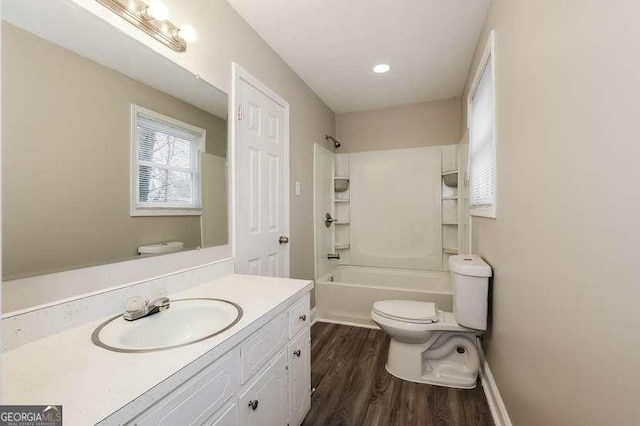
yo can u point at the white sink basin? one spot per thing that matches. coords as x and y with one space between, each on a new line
186 321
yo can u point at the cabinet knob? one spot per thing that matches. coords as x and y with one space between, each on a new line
303 317
297 352
253 404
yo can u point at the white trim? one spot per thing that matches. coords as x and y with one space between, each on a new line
238 73
349 323
494 399
313 313
1 338
489 53
488 212
151 209
316 267
62 287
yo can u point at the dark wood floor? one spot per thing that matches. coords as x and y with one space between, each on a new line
353 387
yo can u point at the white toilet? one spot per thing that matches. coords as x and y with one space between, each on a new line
433 346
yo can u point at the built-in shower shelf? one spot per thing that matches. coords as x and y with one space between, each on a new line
453 197
450 250
450 179
338 200
340 223
344 246
450 223
340 184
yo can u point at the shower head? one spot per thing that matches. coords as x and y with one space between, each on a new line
336 144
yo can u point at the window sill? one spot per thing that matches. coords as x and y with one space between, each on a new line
488 212
165 212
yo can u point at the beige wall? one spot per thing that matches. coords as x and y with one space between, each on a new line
224 37
408 126
66 146
564 343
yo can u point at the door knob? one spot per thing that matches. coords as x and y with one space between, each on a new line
253 404
283 239
328 220
297 352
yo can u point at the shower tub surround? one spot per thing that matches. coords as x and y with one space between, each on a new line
347 293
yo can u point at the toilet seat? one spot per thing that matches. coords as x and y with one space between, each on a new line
407 311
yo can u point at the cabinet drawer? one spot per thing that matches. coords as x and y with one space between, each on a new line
264 402
262 345
299 316
199 397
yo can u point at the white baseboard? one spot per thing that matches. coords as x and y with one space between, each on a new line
494 399
349 323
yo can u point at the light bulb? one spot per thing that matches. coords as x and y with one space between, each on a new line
188 33
158 11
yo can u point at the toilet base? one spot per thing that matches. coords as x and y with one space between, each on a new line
448 359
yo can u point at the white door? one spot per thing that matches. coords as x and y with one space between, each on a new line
264 403
261 178
299 377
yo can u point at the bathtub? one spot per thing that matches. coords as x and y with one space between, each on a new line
346 294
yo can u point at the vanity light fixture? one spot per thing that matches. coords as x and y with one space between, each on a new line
153 18
187 33
156 10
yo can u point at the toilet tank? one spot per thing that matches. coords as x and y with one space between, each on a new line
470 290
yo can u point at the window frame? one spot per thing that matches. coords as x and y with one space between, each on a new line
488 54
148 209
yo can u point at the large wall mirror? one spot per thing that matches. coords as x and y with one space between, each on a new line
107 147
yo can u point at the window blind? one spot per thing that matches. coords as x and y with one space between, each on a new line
167 158
482 161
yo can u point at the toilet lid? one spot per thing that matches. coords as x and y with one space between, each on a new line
407 310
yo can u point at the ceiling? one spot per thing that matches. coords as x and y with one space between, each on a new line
333 45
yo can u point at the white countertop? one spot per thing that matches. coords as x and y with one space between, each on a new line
92 383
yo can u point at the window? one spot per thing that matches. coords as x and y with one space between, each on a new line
482 149
166 172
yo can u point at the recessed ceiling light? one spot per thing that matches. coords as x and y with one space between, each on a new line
381 68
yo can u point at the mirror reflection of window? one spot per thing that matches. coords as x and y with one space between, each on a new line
166 170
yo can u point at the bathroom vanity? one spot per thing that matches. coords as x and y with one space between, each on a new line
257 372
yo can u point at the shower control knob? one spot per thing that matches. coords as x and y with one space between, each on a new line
253 404
283 239
297 352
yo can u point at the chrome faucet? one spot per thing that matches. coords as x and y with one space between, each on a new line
136 312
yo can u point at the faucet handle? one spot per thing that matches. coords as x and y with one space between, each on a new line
135 303
161 303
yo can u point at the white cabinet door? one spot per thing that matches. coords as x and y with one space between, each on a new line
263 345
299 377
228 417
199 397
265 402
